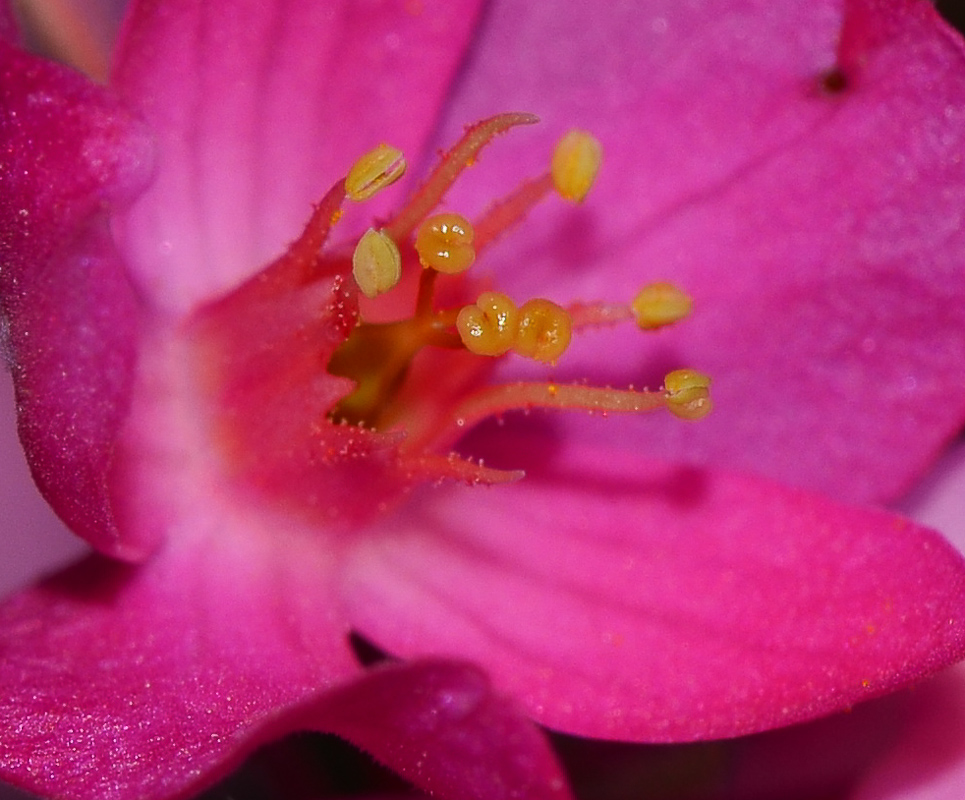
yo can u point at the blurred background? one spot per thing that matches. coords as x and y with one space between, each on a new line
954 12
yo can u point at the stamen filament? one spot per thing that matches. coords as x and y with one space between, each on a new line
427 285
455 467
521 396
507 213
303 253
462 155
598 315
439 336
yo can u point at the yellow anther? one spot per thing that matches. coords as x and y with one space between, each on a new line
376 263
688 393
544 331
489 327
660 304
444 243
576 161
374 171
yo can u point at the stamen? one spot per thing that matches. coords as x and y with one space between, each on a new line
376 263
495 400
660 304
511 210
576 162
489 327
404 382
462 155
544 331
375 170
688 393
597 315
455 467
445 243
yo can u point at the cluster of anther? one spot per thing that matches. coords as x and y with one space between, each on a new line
377 356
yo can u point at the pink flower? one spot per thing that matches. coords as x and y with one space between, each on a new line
796 169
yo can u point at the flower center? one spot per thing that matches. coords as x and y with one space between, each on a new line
382 355
378 356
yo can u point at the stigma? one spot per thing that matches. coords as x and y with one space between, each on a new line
398 363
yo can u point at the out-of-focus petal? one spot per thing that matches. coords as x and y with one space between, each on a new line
8 25
939 501
928 760
682 95
814 216
71 319
152 681
622 599
441 726
75 32
259 108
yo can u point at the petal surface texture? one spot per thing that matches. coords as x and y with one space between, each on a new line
153 682
71 155
622 599
146 682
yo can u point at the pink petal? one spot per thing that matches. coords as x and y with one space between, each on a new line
682 95
819 232
71 154
441 726
259 108
621 599
151 682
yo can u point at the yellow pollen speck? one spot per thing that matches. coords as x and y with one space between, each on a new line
544 331
376 263
444 243
660 304
375 170
576 161
489 327
688 393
